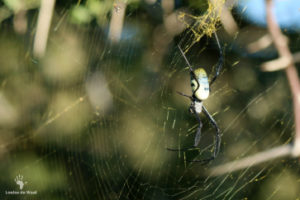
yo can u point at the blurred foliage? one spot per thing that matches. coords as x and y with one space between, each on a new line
98 10
17 5
92 119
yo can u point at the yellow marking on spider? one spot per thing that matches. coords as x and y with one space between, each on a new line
201 90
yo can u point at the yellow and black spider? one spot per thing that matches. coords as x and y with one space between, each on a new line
200 91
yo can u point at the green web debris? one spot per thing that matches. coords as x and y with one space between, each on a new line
205 24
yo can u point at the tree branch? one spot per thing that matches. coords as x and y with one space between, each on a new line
117 20
43 26
281 44
250 161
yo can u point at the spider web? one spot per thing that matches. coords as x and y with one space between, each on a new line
93 120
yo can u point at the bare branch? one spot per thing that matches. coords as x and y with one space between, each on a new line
282 47
43 26
260 44
279 63
117 20
251 161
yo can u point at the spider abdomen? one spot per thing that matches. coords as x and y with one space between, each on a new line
198 106
200 87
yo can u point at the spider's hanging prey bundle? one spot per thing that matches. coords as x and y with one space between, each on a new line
200 88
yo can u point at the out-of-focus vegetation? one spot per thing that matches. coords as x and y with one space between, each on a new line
92 118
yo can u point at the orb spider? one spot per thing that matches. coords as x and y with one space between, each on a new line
200 91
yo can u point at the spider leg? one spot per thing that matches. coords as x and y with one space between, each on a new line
217 143
193 75
218 136
198 134
190 97
183 149
220 62
202 162
186 60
